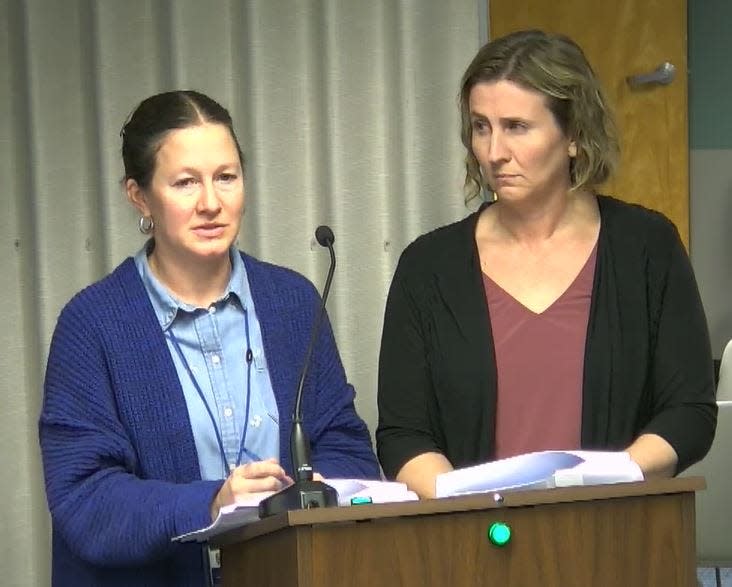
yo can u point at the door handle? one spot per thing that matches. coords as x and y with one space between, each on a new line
663 75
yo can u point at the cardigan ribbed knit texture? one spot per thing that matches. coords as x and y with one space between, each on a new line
121 470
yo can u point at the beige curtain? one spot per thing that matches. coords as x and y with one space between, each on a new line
347 113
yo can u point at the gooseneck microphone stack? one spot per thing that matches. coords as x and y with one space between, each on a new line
305 493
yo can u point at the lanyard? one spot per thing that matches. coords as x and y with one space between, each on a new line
249 357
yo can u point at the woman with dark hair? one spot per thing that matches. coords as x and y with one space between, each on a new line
171 381
553 317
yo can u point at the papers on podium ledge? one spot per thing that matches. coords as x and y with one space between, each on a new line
246 512
540 470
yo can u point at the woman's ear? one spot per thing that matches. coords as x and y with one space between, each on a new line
572 149
136 196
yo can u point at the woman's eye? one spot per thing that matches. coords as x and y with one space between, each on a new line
227 177
479 125
516 125
184 182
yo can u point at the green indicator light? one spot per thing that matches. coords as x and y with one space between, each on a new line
499 533
360 500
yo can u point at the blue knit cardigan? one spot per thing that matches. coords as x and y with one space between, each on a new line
121 470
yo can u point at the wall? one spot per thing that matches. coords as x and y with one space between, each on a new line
710 137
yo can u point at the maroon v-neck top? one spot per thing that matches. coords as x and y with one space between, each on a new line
540 362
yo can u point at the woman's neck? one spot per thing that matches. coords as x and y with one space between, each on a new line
195 282
537 221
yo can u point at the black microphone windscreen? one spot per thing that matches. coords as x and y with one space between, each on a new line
324 235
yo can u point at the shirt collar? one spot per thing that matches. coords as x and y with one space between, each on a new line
166 306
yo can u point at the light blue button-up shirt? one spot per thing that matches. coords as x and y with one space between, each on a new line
213 342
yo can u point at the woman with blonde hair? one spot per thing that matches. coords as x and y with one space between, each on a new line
553 317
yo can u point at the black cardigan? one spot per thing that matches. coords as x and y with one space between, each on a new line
648 363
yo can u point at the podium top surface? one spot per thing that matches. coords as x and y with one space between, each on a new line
482 501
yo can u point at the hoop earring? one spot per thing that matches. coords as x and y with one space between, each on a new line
488 193
146 224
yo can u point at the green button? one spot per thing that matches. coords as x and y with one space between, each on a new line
360 500
499 533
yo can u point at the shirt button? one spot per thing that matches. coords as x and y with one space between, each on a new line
212 309
228 412
215 359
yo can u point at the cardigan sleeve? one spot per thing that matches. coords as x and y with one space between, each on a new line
288 306
341 444
106 514
405 428
683 406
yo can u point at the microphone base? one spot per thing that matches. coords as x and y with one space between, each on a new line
301 495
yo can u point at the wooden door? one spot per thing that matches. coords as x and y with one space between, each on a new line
622 38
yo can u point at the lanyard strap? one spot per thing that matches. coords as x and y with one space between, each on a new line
249 358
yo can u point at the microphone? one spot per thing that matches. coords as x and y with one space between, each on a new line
305 493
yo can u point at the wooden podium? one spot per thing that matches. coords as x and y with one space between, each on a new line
625 535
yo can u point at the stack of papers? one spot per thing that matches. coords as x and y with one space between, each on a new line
349 491
540 470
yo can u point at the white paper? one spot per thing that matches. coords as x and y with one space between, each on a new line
377 491
247 511
540 470
599 468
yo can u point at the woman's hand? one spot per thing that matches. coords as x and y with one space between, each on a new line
420 473
654 455
245 480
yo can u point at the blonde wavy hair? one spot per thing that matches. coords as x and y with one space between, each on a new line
555 66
